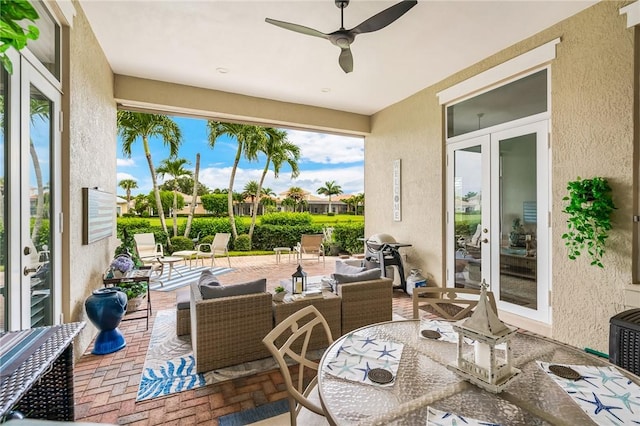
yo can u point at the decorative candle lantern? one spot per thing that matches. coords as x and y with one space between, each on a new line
298 281
486 366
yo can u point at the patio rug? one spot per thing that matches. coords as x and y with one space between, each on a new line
182 276
170 367
253 415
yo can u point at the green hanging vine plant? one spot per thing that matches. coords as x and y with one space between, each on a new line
590 207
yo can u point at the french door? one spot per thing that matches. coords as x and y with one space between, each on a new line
497 217
30 284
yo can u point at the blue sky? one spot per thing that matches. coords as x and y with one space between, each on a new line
323 158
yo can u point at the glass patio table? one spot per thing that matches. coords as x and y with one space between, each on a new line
423 380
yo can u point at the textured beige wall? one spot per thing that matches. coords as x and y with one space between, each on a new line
89 160
167 97
592 134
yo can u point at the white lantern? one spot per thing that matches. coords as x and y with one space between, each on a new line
487 365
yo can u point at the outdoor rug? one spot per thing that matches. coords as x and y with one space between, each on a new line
182 276
253 415
170 366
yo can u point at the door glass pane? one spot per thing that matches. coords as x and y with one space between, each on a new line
3 200
518 227
467 217
40 208
521 98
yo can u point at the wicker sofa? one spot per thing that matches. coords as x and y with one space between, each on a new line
366 302
229 330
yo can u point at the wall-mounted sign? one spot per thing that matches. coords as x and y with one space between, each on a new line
99 209
396 191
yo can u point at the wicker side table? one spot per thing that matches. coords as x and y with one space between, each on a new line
329 307
42 385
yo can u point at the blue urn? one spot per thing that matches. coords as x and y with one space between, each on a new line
105 308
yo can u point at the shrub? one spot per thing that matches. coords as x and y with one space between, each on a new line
181 243
242 243
346 236
286 218
206 240
330 214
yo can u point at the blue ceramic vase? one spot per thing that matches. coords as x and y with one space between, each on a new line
105 308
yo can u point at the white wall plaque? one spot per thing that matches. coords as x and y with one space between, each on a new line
397 217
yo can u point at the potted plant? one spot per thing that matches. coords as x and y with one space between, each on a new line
280 294
136 292
589 209
120 265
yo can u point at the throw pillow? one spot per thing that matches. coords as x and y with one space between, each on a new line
368 275
251 287
345 268
206 282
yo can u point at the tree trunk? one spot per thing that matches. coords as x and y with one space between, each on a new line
37 224
156 190
194 197
175 212
257 200
232 219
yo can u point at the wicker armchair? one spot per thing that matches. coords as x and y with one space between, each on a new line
229 330
366 302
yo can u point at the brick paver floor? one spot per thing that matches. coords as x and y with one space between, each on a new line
106 385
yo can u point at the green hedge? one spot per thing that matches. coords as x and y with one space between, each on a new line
346 236
286 218
266 236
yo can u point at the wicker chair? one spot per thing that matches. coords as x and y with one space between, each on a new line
290 340
448 303
229 330
366 302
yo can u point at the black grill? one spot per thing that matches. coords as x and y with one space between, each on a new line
624 340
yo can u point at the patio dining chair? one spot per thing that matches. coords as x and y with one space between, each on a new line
310 244
448 303
147 248
219 245
290 340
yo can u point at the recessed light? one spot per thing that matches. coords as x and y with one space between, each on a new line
222 70
325 90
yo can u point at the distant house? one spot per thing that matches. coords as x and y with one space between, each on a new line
187 205
318 205
121 206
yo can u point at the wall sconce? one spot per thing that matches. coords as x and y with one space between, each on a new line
486 366
298 281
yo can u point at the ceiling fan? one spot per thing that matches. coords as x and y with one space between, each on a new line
343 37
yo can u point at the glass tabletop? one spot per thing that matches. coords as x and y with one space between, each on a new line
424 380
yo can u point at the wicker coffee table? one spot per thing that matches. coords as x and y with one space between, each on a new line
329 307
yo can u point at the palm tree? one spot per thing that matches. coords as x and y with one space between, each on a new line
174 168
128 185
359 199
297 194
194 197
266 198
330 188
278 151
248 139
134 125
251 190
41 109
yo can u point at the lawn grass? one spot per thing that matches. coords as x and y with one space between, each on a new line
318 219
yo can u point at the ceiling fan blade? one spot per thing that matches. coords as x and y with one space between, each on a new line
297 28
384 18
346 60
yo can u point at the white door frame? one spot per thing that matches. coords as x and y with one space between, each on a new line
490 205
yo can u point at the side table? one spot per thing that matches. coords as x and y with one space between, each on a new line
329 307
136 275
280 250
40 385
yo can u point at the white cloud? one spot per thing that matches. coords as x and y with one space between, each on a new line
350 179
327 149
125 162
121 176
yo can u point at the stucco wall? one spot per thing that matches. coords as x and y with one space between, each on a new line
89 160
591 134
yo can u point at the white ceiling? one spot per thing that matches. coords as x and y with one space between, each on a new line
186 42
